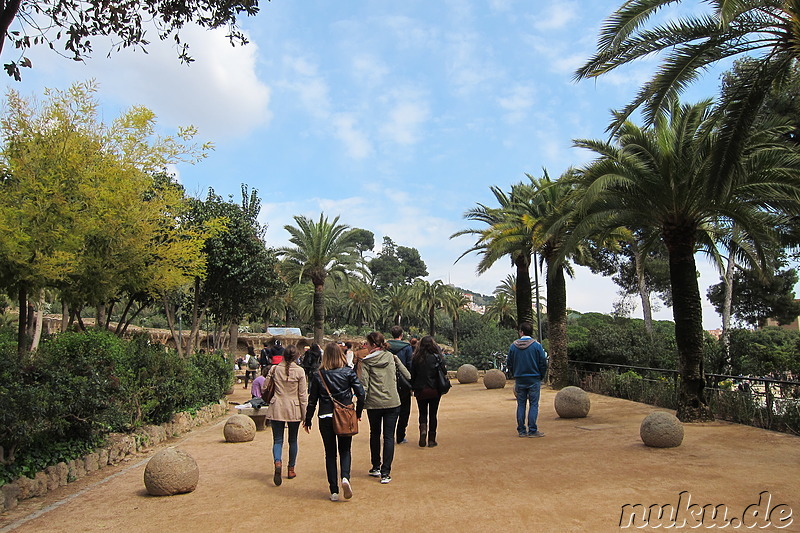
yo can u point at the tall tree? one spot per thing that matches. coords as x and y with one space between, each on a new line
664 177
320 249
454 303
78 23
495 241
428 297
396 265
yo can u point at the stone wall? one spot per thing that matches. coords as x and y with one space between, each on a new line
118 448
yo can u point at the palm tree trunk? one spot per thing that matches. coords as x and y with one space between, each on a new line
319 312
523 290
432 321
644 293
727 305
688 315
557 320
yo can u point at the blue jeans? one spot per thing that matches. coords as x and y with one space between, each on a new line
382 421
277 440
527 394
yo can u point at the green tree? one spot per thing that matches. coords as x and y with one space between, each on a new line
427 298
663 176
454 304
77 23
396 265
320 249
502 237
502 311
757 298
364 240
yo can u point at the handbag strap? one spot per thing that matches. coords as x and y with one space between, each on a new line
325 384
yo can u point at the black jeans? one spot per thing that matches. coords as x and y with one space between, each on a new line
248 375
405 414
428 410
382 421
334 443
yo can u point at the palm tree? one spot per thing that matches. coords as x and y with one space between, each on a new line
362 305
506 294
664 177
453 303
765 30
428 297
502 310
496 241
320 249
395 302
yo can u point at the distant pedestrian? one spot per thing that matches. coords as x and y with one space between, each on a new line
424 373
277 352
342 382
348 354
403 351
379 376
527 362
265 356
258 384
311 360
287 408
251 365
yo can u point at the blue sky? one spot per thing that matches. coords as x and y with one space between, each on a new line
397 117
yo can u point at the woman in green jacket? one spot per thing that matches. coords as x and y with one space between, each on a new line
379 376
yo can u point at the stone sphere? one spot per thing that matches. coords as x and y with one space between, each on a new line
661 430
467 374
240 428
494 379
169 472
572 402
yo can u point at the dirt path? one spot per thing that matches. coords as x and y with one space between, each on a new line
482 477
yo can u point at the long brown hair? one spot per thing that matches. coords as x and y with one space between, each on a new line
426 345
332 357
376 339
290 355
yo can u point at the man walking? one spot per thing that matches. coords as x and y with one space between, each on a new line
528 364
403 352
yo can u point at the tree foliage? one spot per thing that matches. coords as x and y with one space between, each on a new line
78 23
757 297
396 265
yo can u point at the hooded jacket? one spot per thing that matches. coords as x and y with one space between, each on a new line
379 377
526 360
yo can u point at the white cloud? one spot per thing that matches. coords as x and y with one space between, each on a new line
355 141
556 16
407 113
369 70
219 92
518 100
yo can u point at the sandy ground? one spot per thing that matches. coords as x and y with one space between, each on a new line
481 477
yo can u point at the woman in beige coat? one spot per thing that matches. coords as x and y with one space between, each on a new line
288 407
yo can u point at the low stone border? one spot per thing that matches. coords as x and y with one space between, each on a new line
119 446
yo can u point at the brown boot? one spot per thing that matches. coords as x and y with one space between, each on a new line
276 478
423 435
290 473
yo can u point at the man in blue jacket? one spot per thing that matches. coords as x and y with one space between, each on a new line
527 362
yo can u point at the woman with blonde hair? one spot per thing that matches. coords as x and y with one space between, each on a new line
334 379
379 375
287 408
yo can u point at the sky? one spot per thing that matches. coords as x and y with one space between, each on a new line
396 117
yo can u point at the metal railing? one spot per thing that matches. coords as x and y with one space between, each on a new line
758 401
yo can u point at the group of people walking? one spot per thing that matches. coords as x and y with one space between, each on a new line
376 379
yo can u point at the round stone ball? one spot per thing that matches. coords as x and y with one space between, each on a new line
661 430
494 379
240 428
572 402
467 374
169 472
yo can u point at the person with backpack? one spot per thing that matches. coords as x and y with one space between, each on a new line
403 351
251 365
265 357
340 383
312 360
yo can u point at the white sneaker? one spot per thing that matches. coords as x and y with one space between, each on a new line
334 497
346 488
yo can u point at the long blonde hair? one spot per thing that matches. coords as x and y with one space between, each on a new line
333 357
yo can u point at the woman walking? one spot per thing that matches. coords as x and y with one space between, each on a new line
424 371
287 408
379 375
335 379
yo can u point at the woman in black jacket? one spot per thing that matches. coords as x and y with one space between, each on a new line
424 369
343 383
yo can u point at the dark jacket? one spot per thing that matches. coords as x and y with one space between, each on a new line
343 383
526 360
402 350
424 372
